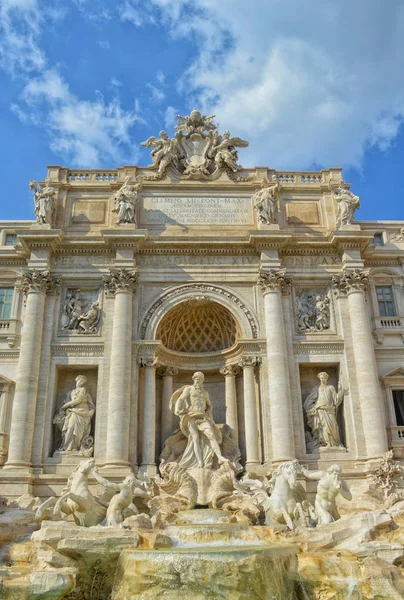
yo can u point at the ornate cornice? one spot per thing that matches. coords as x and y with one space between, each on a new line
120 280
351 281
274 281
34 280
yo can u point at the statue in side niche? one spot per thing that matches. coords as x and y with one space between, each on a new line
125 201
321 407
44 198
330 485
347 204
265 201
192 405
74 419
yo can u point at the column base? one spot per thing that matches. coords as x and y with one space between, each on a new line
253 466
117 464
18 466
150 470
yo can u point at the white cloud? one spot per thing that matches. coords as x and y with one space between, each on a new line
312 84
86 133
20 25
104 44
169 117
157 95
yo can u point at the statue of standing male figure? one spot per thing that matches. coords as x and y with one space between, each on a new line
192 405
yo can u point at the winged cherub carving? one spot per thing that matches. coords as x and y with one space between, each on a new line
166 151
225 152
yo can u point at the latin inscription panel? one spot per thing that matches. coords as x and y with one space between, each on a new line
188 210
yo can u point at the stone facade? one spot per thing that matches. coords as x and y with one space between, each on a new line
192 277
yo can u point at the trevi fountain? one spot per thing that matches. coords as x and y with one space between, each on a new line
201 383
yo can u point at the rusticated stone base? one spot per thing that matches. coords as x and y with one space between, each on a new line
223 573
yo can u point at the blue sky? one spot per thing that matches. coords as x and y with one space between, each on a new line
312 84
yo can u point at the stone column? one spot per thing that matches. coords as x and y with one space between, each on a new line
167 417
273 283
4 393
35 285
230 372
121 283
149 416
355 283
250 411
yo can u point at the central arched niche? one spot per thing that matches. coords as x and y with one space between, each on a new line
198 325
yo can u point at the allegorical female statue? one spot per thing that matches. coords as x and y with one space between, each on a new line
74 419
321 407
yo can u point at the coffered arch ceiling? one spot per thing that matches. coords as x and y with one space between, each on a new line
198 325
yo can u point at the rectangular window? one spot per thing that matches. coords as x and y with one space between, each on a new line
386 301
6 297
398 397
378 239
11 239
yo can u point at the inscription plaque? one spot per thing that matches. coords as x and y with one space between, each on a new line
185 210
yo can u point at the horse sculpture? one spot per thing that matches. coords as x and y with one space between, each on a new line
77 500
287 498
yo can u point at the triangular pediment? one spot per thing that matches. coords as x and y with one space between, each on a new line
397 372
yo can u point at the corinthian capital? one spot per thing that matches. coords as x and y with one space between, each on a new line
351 281
38 281
232 370
274 281
249 361
120 280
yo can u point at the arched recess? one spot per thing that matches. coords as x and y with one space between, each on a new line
158 308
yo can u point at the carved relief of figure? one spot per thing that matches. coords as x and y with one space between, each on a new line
313 311
122 501
165 153
225 152
322 313
43 200
398 237
88 322
330 484
76 310
125 201
347 204
192 405
265 201
75 318
321 407
74 419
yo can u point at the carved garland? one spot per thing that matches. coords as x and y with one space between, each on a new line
204 288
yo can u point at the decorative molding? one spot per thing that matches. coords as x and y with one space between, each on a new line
120 280
274 281
77 350
318 348
198 287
